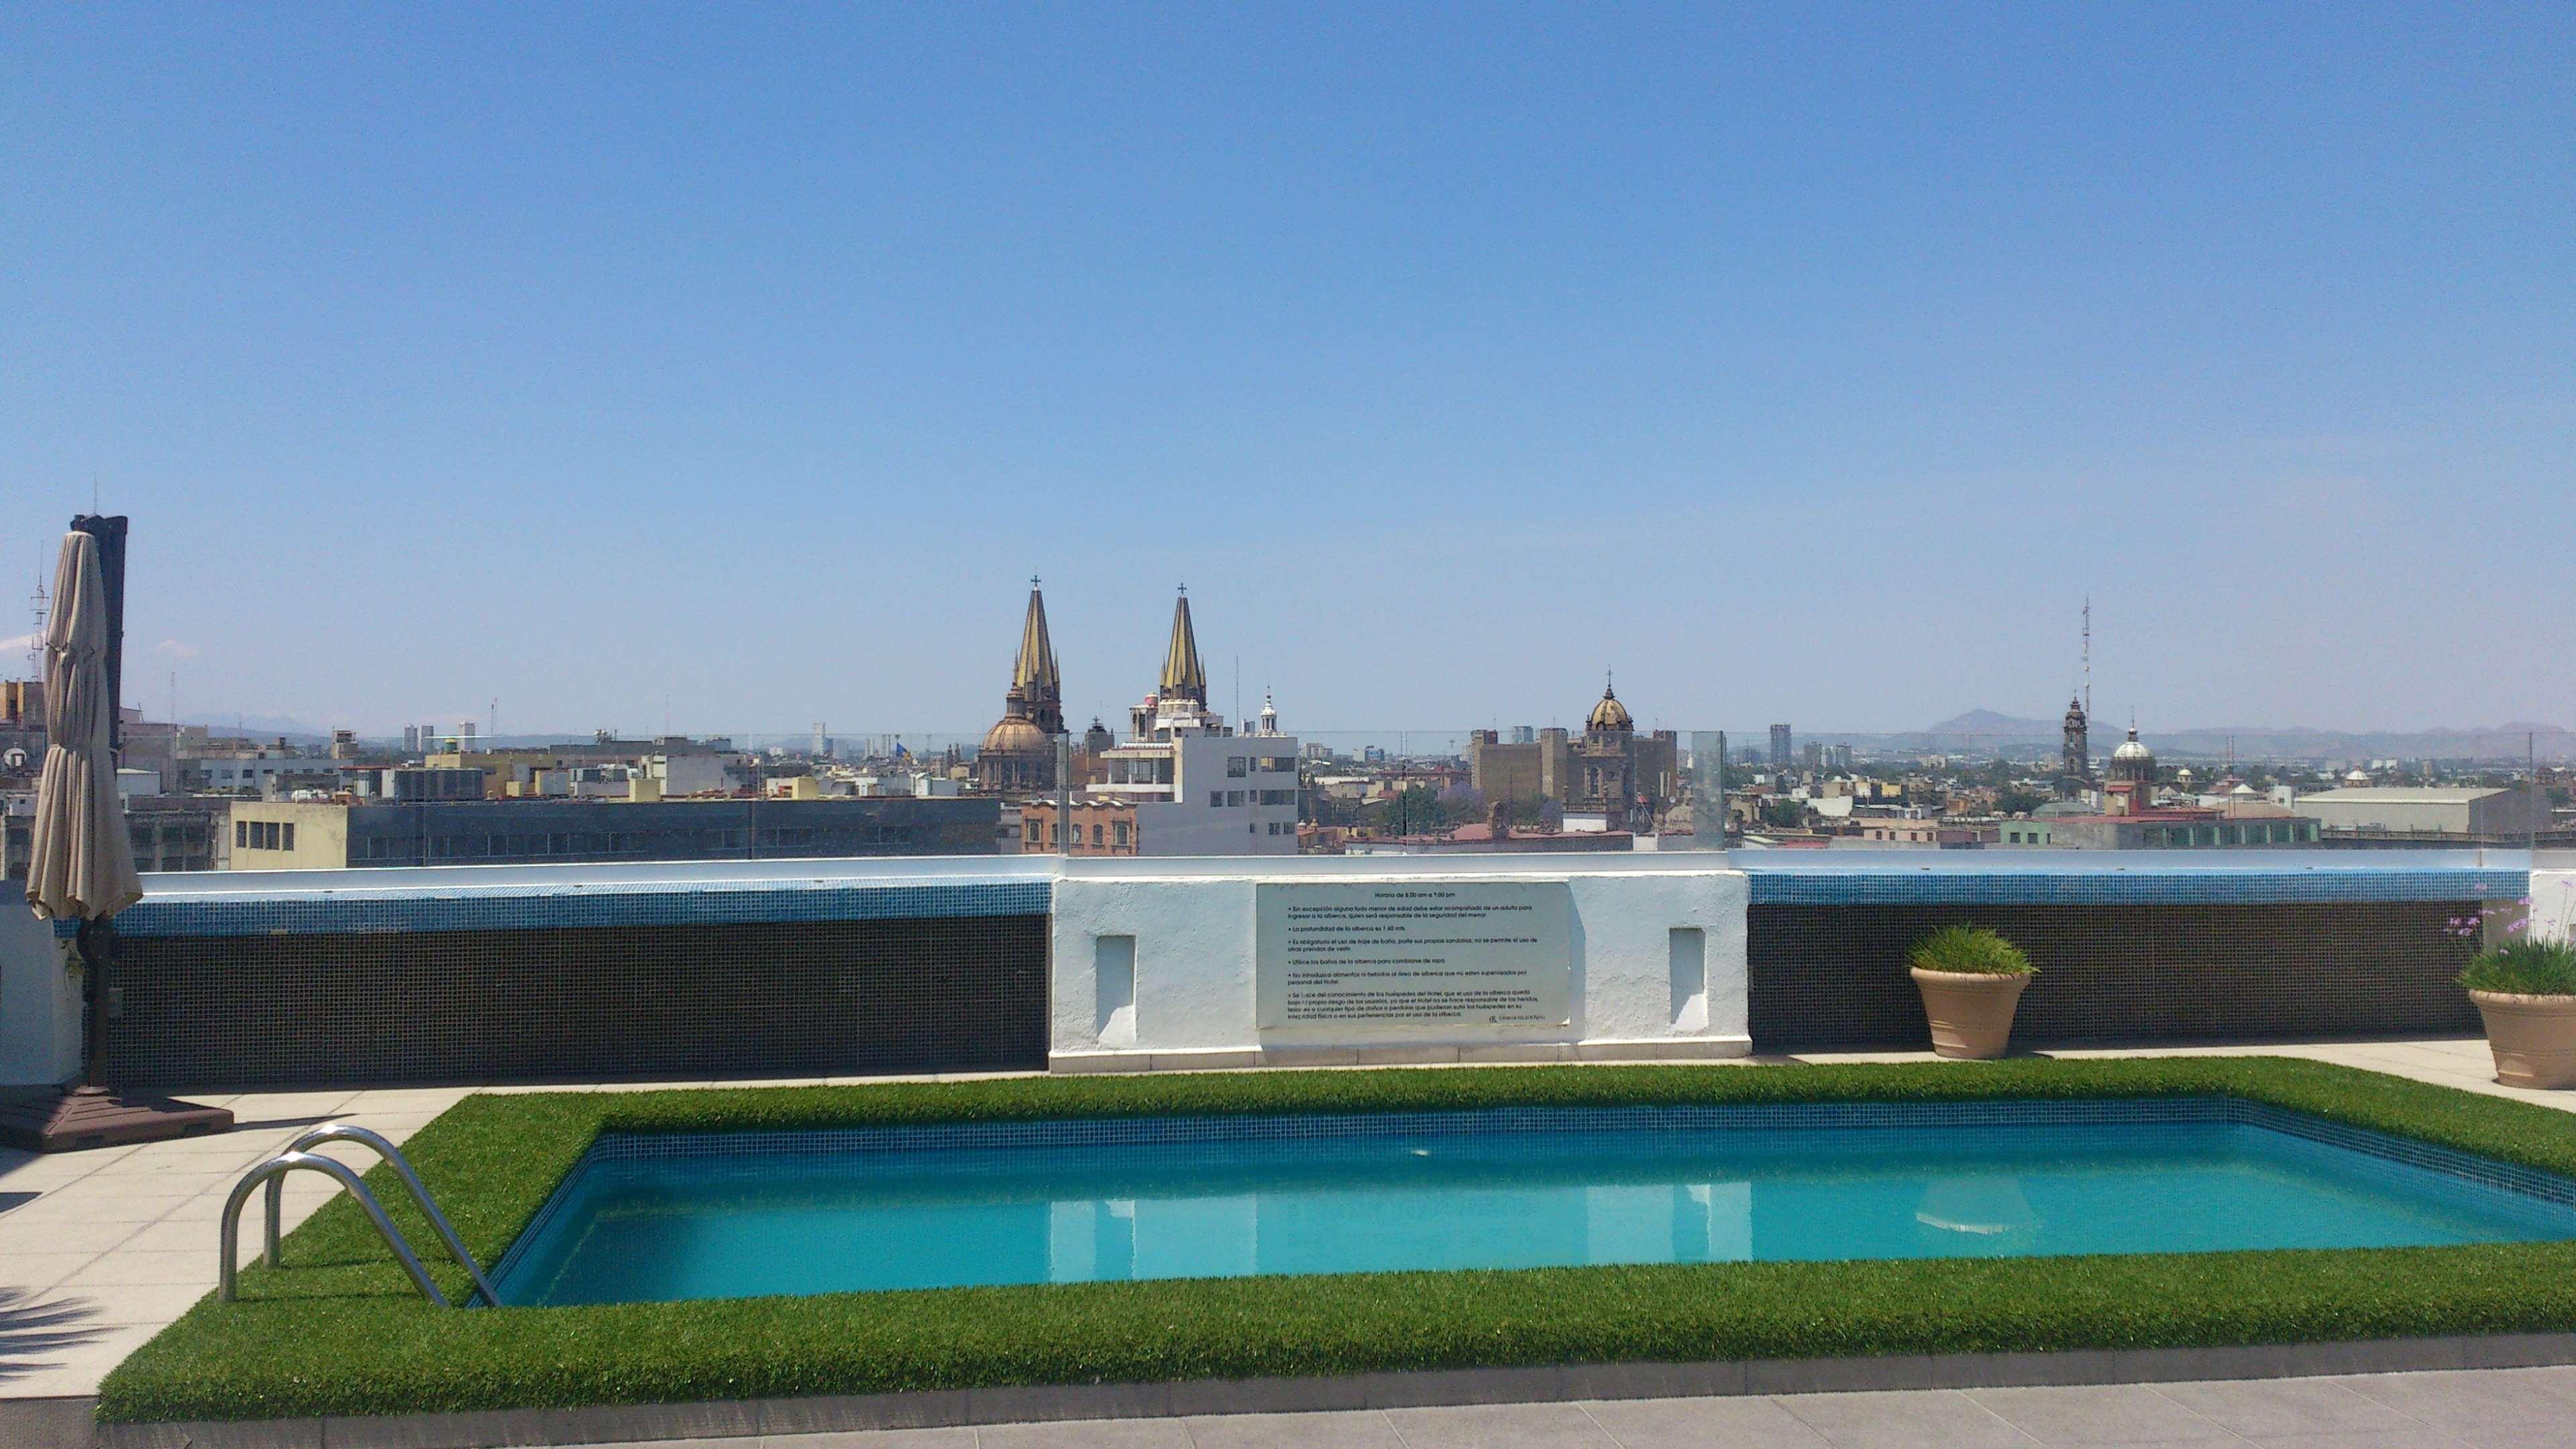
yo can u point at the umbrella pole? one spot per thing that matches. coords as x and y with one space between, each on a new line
95 954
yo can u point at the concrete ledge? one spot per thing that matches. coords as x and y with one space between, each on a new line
1414 1054
1039 1403
53 1423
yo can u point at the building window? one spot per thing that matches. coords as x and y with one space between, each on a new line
1095 833
1216 799
1236 766
286 836
1278 797
241 834
1119 828
1234 797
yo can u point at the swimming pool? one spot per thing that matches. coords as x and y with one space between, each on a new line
658 1218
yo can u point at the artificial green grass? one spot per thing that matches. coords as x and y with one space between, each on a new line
338 1330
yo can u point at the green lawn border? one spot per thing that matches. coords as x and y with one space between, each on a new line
337 1329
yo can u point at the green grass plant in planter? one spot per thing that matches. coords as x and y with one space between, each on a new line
1971 980
2526 991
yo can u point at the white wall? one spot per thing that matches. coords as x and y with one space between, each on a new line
1192 1002
39 1002
2553 895
1187 825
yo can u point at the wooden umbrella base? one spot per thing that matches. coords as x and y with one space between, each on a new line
67 1119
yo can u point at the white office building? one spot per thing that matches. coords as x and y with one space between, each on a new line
1198 787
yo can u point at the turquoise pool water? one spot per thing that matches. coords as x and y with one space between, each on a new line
661 1219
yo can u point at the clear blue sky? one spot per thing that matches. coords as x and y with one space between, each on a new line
1805 363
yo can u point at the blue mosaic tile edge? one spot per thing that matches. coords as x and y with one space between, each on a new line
2114 888
503 908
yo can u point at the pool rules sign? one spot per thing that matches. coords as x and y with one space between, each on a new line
1415 959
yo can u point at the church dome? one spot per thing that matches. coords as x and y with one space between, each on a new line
1609 714
1015 736
2132 760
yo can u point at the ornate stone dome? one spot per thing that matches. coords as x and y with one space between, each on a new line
1015 736
2132 760
1609 714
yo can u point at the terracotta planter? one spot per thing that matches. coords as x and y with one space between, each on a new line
1972 1014
2534 1037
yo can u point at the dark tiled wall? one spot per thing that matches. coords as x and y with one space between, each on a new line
1834 976
662 1001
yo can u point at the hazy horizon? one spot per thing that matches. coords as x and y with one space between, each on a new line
737 368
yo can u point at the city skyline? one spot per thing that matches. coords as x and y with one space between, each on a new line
1791 370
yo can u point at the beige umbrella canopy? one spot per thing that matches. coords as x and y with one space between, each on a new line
81 866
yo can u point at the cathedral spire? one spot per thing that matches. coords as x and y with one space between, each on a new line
1036 664
1183 677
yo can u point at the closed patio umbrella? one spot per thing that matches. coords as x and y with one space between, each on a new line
81 867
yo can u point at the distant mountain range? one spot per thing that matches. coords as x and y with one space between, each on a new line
1986 729
262 727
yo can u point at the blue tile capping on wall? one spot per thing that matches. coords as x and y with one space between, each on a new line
2051 878
556 906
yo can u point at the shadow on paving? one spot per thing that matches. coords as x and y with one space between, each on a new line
30 1331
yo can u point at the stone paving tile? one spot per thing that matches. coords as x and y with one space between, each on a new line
736 1442
74 1363
1499 1426
62 1233
136 1269
2258 1408
1358 1429
1933 1419
1089 1433
57 1169
2472 1403
877 1440
2101 1414
41 1270
1753 1423
2414 1437
149 1304
191 1235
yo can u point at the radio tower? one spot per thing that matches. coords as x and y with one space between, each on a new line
38 605
2088 656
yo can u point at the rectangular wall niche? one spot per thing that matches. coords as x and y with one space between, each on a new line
1689 952
1113 965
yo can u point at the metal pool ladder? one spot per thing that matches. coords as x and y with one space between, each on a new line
297 1156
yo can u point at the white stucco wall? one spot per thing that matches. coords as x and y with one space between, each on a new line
39 1003
1193 925
2553 895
